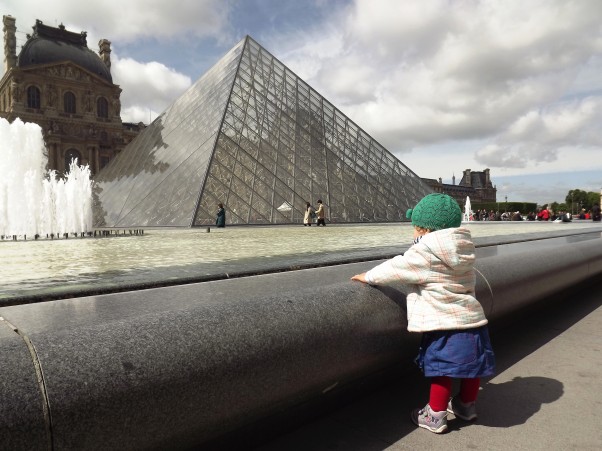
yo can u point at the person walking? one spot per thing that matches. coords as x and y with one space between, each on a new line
220 221
439 270
310 214
321 214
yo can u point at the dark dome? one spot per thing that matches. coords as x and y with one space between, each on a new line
52 45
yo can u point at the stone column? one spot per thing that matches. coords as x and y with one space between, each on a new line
10 42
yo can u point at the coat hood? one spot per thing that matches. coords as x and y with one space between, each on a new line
454 246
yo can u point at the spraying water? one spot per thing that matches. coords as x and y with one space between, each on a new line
34 201
467 211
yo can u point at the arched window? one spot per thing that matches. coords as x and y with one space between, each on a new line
102 107
69 102
72 155
33 97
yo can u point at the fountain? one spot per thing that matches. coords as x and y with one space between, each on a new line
467 211
35 202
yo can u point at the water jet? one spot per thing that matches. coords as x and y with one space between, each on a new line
34 201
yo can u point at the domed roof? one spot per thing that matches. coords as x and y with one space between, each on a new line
53 45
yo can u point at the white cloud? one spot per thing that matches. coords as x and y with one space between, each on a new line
437 71
125 21
544 136
148 88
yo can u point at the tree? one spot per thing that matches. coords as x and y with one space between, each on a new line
578 199
592 198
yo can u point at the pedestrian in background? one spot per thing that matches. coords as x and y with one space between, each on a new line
220 221
310 214
321 214
439 269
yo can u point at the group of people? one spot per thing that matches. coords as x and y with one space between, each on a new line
484 215
312 214
546 214
593 214
542 214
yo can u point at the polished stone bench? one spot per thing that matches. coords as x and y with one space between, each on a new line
176 367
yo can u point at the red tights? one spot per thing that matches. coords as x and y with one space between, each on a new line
441 391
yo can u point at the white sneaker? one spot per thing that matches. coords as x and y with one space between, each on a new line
427 418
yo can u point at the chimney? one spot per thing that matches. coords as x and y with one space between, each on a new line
10 42
105 52
487 177
454 179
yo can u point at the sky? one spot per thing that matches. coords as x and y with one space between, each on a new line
445 85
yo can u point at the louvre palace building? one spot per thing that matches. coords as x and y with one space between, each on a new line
57 82
474 184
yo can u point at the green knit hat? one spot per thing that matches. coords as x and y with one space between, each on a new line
435 212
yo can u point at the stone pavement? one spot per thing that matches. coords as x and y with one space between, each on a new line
547 394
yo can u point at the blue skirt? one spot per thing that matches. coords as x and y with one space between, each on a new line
457 353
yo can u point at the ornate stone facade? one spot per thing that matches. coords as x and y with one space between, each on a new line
58 83
474 184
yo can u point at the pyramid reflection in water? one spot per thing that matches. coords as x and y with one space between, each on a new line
252 135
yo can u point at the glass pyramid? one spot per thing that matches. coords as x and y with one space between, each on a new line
252 135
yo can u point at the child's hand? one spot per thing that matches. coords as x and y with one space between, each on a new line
360 277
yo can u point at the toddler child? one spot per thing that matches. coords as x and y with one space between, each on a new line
442 305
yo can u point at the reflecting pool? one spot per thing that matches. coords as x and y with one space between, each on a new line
55 267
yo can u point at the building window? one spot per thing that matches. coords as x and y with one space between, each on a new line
69 101
72 155
33 97
102 107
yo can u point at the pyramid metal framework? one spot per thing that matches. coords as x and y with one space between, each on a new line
252 135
